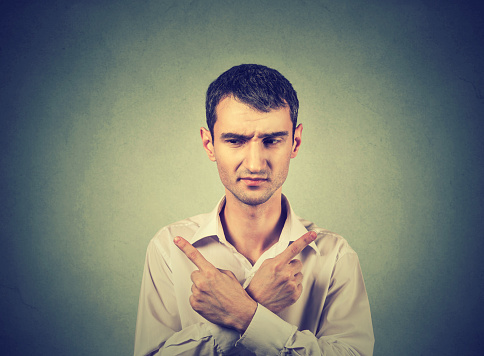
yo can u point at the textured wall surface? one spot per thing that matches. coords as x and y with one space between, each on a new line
101 103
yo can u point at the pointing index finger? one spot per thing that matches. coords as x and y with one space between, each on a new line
192 253
297 246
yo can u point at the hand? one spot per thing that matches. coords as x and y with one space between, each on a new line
217 294
277 283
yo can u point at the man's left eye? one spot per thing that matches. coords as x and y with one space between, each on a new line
271 142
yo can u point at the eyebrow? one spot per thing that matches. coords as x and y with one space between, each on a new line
231 135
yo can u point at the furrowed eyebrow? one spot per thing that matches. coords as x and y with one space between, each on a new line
275 134
234 136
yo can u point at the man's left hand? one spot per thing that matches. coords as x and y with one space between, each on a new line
217 294
278 282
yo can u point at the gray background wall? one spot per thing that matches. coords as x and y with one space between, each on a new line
101 103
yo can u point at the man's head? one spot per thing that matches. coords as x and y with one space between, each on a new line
252 133
262 88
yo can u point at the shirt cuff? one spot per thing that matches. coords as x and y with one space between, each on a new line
224 338
267 333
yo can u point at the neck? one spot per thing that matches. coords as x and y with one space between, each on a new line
253 229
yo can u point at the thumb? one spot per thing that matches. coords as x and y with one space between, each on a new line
228 273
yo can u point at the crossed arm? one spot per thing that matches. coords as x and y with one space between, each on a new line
344 326
218 296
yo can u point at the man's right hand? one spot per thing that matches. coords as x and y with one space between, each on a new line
277 283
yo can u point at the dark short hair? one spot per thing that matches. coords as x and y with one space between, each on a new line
258 86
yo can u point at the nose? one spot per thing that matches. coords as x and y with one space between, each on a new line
254 160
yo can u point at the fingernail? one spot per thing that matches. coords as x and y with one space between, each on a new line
313 235
176 240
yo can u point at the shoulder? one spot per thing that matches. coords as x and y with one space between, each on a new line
162 242
330 244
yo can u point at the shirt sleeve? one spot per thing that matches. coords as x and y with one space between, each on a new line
158 326
345 323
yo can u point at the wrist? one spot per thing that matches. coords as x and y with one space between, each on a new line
242 323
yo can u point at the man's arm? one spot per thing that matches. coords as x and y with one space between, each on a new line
217 294
345 326
219 298
345 323
277 283
158 327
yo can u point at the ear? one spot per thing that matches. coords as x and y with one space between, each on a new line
297 140
207 143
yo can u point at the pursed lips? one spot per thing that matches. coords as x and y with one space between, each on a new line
253 181
253 178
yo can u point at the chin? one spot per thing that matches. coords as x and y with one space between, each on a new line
253 200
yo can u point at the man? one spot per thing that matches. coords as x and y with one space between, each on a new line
251 277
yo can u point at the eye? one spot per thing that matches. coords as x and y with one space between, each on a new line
271 141
234 142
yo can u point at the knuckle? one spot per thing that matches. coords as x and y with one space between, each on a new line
196 306
209 274
294 248
193 302
278 267
202 285
295 295
196 300
298 277
196 275
192 255
297 263
296 266
288 275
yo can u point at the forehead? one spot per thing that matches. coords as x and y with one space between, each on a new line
237 117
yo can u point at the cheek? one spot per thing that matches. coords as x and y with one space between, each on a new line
281 169
282 159
227 160
223 172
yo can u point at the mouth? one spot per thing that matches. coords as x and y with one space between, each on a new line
253 181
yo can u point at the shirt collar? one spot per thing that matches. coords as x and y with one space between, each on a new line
212 227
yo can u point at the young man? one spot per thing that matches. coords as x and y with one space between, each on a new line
251 277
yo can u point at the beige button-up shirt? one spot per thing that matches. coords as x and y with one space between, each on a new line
331 317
